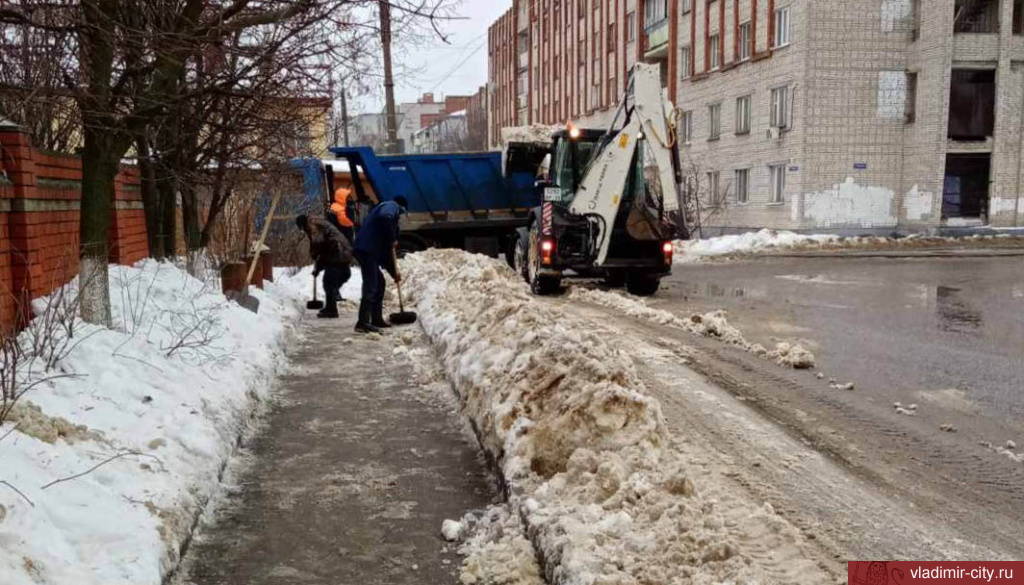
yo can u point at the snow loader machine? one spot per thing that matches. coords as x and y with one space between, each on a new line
611 200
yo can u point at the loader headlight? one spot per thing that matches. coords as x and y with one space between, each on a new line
574 132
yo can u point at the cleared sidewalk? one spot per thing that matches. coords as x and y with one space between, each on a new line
358 466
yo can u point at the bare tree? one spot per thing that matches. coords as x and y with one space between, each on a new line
704 196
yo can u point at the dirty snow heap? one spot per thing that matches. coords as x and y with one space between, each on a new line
583 449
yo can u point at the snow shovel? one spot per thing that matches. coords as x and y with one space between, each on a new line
242 297
403 317
314 305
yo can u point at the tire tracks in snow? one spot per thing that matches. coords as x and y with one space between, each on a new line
773 435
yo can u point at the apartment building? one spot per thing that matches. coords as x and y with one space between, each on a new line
551 61
820 115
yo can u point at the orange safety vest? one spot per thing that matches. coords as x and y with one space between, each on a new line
341 196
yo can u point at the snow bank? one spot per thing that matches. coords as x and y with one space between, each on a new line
713 324
750 242
158 404
766 240
497 551
583 449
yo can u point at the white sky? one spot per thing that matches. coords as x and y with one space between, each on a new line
458 68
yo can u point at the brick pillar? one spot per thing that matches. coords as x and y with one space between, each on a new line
23 234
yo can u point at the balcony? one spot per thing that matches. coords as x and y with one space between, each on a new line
656 41
976 17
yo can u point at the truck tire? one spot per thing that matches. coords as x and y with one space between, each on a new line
615 278
539 284
410 244
642 285
520 256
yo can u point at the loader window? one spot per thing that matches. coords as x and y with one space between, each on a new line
571 160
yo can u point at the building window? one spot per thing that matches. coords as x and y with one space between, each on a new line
976 16
780 107
610 43
778 178
741 188
745 41
714 193
655 11
782 27
743 115
911 107
715 116
714 44
686 127
1018 17
687 6
631 27
687 62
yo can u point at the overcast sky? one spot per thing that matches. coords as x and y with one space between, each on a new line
458 68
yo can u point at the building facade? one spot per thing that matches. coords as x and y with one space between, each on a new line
552 61
840 115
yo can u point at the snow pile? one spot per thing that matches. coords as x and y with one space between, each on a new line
583 449
497 551
533 134
714 324
766 241
149 419
452 530
751 242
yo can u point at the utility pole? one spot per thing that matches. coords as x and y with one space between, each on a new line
389 82
344 112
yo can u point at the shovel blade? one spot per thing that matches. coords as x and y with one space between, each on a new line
314 305
245 300
405 318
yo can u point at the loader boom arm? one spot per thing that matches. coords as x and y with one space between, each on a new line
642 117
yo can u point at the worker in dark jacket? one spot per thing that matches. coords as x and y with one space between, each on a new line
332 255
375 246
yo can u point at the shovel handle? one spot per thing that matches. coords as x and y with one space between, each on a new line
314 287
398 283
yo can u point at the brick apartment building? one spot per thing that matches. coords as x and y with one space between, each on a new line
840 115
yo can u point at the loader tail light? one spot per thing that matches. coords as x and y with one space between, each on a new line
547 248
667 250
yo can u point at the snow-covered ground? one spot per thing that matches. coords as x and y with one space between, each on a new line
115 463
767 240
750 242
714 324
582 445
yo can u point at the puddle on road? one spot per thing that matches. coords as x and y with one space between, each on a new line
955 312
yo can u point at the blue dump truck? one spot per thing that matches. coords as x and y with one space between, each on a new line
462 200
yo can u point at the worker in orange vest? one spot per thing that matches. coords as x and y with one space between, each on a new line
339 209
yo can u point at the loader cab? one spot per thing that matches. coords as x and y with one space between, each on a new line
571 153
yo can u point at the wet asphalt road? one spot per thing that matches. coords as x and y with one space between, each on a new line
896 326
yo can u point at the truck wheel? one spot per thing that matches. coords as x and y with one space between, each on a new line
520 257
615 278
539 284
642 285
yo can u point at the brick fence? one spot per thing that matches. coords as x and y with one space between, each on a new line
40 199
